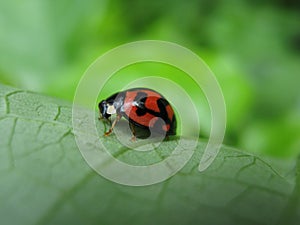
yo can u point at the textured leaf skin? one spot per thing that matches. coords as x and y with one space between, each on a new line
45 180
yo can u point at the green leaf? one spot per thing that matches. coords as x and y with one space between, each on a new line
64 30
45 180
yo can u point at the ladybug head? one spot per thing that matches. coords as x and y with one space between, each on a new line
106 109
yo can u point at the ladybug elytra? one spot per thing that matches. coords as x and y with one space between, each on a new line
145 109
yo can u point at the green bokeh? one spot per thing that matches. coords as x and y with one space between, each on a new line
253 47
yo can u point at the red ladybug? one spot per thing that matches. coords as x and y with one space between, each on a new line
144 108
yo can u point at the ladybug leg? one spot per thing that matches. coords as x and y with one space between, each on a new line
113 125
133 138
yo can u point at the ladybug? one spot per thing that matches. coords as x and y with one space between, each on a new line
145 109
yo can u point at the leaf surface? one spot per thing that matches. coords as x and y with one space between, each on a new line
45 180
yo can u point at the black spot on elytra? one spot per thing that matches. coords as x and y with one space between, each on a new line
141 111
140 100
162 103
140 97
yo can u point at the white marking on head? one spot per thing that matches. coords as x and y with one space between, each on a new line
110 109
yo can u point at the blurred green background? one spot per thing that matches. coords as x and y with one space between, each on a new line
253 47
